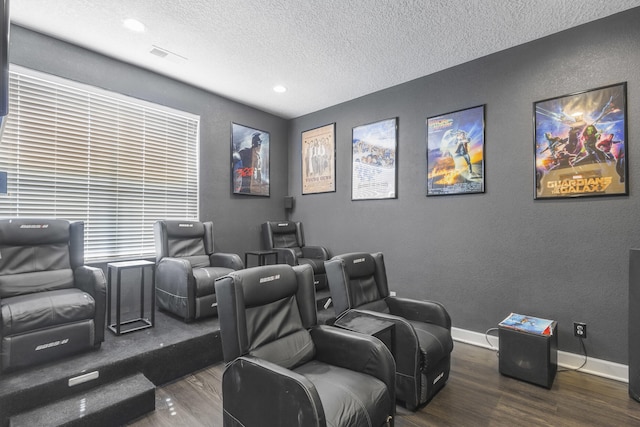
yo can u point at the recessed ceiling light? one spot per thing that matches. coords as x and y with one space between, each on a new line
133 25
279 89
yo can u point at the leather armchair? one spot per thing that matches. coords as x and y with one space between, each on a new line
283 369
51 304
187 266
287 238
423 342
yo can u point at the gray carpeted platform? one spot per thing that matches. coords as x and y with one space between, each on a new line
169 350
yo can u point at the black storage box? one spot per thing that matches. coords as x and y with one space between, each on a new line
528 356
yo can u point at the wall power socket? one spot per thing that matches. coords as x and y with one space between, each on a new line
579 329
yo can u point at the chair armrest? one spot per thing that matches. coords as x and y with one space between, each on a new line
407 345
337 280
421 311
173 274
227 260
92 281
258 392
355 351
286 256
315 252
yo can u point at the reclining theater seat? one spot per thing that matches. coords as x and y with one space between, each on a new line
423 342
283 369
287 238
186 267
52 305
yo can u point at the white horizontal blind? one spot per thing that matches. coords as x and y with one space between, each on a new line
81 153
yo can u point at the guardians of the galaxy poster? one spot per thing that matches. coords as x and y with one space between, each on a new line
455 152
580 144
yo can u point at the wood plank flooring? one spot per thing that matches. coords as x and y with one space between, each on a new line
476 395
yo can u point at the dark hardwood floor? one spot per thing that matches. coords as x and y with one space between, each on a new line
476 395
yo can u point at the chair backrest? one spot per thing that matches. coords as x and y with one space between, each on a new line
192 240
266 312
283 234
358 280
39 254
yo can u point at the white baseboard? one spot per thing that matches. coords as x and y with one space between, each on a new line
599 367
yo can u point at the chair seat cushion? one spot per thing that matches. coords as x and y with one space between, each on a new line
39 310
435 342
205 278
349 398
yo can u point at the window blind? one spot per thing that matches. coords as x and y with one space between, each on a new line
81 153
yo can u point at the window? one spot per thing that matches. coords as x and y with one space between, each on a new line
80 153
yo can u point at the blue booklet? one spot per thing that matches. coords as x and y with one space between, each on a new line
530 324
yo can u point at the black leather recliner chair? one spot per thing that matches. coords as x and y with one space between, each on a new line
52 305
287 238
187 266
423 342
285 370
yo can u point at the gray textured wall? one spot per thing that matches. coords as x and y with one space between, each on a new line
487 255
482 255
236 218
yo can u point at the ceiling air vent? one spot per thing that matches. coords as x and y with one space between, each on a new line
164 53
155 50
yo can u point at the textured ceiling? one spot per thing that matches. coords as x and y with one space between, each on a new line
324 51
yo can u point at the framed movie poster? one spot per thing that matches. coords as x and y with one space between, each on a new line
580 144
249 160
455 152
319 160
373 162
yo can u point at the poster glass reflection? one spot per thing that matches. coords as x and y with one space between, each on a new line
319 160
580 144
373 164
249 160
455 152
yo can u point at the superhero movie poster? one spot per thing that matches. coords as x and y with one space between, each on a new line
249 160
455 152
580 144
373 173
319 160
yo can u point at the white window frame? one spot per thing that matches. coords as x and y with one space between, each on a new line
117 163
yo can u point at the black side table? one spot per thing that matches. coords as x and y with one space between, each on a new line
262 257
141 322
356 321
529 356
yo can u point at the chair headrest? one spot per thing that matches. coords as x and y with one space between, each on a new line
358 264
184 229
27 232
283 227
266 284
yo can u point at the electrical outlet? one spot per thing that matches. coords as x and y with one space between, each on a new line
580 329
